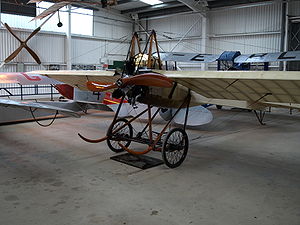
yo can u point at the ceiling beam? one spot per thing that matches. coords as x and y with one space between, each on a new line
197 6
121 2
163 12
152 7
84 6
218 3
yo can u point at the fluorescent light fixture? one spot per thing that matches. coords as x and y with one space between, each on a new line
152 2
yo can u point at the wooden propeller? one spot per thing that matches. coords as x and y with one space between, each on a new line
146 79
23 44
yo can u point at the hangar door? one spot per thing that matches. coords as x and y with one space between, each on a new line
294 42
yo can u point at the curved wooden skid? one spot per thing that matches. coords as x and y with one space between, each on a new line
135 152
92 140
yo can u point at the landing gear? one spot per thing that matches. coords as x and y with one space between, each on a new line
114 138
175 147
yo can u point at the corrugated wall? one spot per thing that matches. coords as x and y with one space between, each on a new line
51 50
109 25
111 44
294 8
249 30
90 51
170 30
252 29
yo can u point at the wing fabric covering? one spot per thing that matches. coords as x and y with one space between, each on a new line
34 105
187 57
269 57
79 78
251 86
25 79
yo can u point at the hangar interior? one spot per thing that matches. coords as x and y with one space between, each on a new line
236 171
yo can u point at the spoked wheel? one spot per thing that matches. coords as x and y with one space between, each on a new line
125 132
175 147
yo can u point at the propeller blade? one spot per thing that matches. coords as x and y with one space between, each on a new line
32 53
12 33
99 87
33 33
14 54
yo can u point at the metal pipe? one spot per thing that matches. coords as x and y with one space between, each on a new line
0 10
69 41
286 33
282 32
203 40
245 34
241 6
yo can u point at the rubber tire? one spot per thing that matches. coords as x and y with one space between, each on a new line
164 148
108 140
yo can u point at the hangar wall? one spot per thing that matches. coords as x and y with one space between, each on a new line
110 42
294 8
251 29
171 29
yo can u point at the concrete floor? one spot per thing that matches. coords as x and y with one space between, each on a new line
237 172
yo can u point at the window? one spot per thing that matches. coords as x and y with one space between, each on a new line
81 20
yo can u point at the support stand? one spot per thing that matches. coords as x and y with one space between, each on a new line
139 161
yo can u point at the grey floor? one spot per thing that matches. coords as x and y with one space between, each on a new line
237 172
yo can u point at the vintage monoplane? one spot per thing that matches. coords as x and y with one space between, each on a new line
255 90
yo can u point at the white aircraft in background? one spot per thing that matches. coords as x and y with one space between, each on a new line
81 100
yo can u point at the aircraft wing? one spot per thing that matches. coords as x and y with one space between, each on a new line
187 57
244 89
245 58
26 79
78 78
269 57
52 9
35 105
256 88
